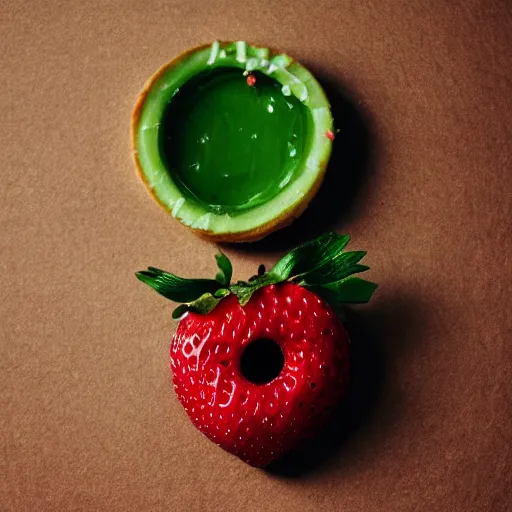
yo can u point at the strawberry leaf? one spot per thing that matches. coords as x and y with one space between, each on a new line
310 256
341 266
244 290
203 305
351 290
177 288
180 311
221 293
226 269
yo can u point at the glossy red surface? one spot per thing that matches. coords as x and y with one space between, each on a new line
260 422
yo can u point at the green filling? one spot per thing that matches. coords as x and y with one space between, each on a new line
231 146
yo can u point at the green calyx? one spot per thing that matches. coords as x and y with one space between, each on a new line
320 265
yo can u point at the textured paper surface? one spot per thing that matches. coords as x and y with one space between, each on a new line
88 421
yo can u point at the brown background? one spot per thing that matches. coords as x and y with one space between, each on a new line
88 420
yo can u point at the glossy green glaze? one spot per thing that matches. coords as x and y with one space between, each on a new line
232 146
272 183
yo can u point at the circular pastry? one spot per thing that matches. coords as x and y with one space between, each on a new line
232 139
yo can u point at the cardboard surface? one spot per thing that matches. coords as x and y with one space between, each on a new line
88 419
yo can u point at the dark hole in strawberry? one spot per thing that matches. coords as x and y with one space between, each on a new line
312 385
262 361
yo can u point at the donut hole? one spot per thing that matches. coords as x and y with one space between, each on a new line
262 361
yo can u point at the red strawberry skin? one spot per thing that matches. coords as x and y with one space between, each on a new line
261 422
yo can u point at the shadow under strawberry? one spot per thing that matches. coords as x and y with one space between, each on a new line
378 337
352 162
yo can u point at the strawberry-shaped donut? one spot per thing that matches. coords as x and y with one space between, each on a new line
259 365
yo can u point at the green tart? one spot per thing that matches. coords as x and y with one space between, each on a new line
232 139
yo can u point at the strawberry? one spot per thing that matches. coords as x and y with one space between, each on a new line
259 365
